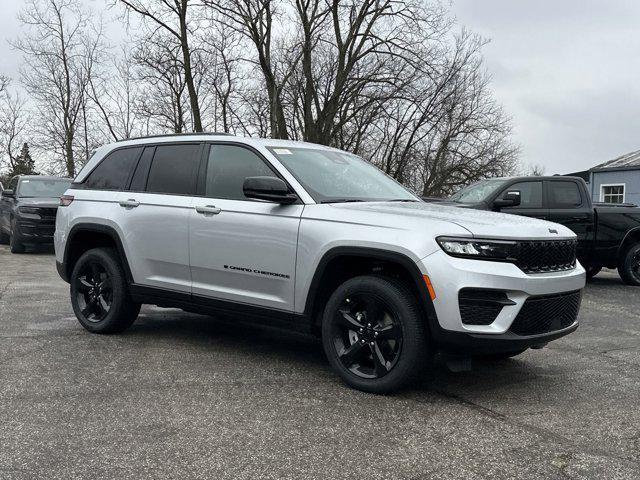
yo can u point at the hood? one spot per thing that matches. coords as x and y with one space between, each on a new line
479 223
47 202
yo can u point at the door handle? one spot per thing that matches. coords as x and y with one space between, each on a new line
208 209
131 203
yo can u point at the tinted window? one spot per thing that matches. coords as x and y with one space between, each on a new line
13 184
173 169
113 171
139 180
530 194
228 166
564 194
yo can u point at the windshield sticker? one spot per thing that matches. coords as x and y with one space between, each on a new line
282 151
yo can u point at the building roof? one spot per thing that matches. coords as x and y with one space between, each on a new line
629 161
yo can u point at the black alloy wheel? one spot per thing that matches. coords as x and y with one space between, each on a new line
374 334
367 336
100 293
94 291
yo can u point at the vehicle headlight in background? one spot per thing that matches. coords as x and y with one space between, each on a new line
478 248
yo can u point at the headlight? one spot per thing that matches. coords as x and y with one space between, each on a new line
29 212
480 249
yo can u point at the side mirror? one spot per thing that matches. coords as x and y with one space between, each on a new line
8 194
271 189
511 198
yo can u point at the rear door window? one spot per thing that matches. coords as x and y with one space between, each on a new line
173 169
564 195
113 172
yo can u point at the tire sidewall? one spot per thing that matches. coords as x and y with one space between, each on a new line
413 351
625 269
15 242
105 258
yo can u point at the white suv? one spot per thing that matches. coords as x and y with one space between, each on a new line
311 238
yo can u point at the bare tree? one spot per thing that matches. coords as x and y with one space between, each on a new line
165 102
60 47
115 93
14 123
172 17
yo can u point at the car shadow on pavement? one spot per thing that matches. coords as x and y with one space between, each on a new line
252 343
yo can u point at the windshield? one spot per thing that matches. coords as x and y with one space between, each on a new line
43 187
331 176
477 192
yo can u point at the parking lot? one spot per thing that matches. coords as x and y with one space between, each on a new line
188 396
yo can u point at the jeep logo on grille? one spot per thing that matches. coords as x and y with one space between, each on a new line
551 230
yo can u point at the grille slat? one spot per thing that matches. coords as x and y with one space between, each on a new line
547 313
546 256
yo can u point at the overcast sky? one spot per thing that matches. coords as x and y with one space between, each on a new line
567 71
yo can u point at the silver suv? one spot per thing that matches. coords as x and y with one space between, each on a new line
312 238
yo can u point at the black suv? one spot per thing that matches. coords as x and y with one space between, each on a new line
28 210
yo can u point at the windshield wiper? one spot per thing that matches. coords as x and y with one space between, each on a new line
342 200
402 200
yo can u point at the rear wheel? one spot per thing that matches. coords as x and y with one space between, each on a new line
629 268
373 334
99 293
4 238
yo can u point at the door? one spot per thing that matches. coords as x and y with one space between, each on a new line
242 250
568 207
154 216
531 200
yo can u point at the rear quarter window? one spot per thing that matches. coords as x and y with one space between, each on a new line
113 172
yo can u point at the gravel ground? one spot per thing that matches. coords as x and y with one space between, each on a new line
186 396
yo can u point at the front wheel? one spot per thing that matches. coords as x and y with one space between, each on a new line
592 271
374 334
99 294
629 268
15 244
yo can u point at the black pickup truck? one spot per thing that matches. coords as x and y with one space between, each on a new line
608 234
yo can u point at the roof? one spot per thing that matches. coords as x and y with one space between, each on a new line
43 177
629 161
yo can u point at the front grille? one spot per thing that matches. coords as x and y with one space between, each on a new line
481 306
47 212
546 256
547 313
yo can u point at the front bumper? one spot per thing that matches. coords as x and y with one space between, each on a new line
35 231
449 275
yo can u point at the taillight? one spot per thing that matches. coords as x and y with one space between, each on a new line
65 200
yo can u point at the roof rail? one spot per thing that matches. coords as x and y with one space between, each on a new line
175 135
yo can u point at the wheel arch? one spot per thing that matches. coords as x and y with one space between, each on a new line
337 265
85 236
631 238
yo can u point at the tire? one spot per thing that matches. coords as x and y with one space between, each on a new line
382 353
629 267
503 355
592 271
15 245
4 238
99 294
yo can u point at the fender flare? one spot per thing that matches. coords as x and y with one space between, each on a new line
377 254
96 228
633 231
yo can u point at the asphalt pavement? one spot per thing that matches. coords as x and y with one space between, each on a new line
183 396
